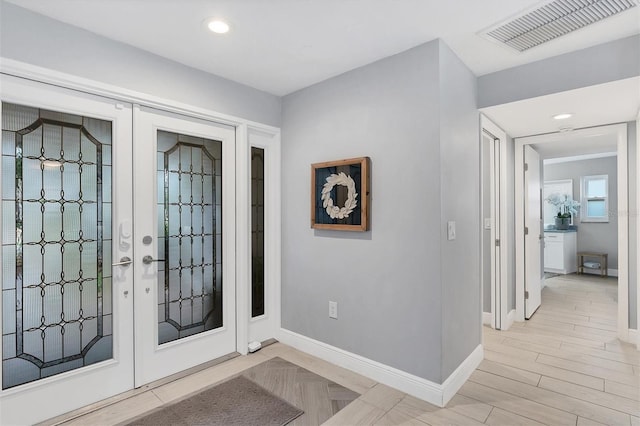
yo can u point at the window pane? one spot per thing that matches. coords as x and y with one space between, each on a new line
596 208
257 232
596 188
189 280
55 224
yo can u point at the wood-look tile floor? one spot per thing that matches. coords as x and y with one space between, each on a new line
564 366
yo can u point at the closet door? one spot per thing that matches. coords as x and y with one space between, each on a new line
66 312
184 242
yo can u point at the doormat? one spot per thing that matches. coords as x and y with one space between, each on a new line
238 401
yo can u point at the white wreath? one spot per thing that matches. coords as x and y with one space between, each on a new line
336 212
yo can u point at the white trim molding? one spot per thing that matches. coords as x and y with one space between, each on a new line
486 318
434 393
266 326
620 132
511 318
499 280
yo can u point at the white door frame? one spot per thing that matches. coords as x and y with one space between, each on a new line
265 326
620 130
244 129
637 218
499 294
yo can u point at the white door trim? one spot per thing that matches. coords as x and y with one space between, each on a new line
266 326
500 220
244 129
637 217
620 130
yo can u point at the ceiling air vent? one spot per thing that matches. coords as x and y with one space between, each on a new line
554 19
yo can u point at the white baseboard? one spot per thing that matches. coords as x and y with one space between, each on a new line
634 336
437 394
612 272
511 318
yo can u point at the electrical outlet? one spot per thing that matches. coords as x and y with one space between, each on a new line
333 310
451 230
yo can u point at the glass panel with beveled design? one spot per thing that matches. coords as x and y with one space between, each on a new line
257 232
189 235
56 243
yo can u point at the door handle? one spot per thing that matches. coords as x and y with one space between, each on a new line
125 260
148 260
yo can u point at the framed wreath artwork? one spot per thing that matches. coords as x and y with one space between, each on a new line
340 195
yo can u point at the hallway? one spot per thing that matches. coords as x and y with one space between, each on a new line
563 367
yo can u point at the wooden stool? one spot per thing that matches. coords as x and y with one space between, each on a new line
602 257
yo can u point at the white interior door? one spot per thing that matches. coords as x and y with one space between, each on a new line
184 192
533 234
66 313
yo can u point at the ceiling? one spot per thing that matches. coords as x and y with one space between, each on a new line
281 46
593 106
613 102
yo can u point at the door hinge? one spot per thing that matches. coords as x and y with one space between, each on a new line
526 294
497 243
526 167
526 230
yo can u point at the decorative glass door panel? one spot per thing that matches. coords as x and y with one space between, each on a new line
257 232
57 235
189 235
66 186
185 237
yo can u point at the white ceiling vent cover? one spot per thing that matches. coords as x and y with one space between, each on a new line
552 20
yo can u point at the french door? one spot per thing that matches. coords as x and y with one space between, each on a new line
184 198
117 233
67 339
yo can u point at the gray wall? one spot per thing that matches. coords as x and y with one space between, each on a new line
35 39
572 70
634 210
593 236
389 282
460 200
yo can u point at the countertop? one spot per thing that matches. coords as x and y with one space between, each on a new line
562 231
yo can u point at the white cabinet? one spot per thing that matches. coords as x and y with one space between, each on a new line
560 252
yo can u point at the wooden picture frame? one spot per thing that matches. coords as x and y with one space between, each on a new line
340 195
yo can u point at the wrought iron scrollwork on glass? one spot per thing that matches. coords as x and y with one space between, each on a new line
189 206
56 241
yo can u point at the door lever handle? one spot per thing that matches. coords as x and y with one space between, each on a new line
125 260
148 260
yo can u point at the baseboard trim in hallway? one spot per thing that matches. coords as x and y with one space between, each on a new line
434 393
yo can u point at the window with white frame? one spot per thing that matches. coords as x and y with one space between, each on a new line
595 199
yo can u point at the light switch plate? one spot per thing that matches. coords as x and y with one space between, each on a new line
451 230
487 223
333 310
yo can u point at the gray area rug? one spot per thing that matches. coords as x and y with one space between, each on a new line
238 401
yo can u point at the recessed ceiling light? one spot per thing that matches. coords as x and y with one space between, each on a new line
218 26
563 116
